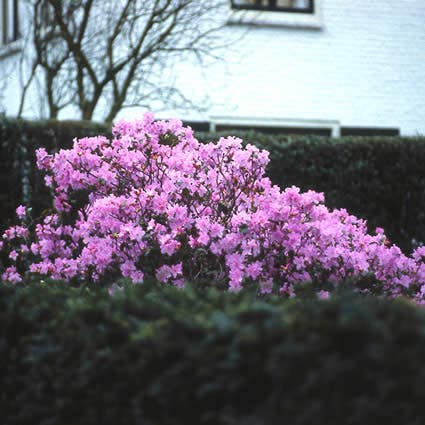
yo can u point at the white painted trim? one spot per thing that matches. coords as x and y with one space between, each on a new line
333 125
279 19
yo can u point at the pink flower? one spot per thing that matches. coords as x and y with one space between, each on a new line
323 295
21 211
11 275
13 255
200 211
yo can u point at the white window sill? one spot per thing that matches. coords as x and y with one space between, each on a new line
278 19
10 49
333 126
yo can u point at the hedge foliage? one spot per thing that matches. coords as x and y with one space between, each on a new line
164 356
381 179
20 181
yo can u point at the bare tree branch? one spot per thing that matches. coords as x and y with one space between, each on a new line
103 55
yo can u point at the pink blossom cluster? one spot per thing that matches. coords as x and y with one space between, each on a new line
155 202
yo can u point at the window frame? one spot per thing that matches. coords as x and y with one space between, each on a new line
10 25
308 10
278 18
284 124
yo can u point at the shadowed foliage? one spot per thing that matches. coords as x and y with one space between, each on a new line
151 354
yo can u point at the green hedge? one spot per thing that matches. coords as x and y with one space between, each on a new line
20 182
381 179
162 356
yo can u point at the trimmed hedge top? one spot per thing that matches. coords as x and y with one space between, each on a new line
159 355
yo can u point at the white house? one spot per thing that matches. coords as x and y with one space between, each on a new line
320 66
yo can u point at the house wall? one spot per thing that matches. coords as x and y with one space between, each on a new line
14 69
9 82
363 67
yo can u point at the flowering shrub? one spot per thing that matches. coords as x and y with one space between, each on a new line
154 202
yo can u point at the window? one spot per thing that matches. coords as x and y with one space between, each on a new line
295 6
9 29
369 131
276 125
316 131
306 14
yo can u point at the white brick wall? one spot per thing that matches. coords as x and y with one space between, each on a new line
364 67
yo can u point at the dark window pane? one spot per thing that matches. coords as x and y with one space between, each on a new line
4 23
369 131
16 33
275 130
9 24
198 125
299 6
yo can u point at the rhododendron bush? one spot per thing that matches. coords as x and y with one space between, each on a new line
155 202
